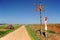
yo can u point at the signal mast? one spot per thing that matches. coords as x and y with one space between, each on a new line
41 8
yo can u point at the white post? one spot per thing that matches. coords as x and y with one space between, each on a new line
46 20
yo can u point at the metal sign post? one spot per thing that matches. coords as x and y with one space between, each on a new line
41 8
46 20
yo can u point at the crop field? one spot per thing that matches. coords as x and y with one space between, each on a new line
53 32
4 31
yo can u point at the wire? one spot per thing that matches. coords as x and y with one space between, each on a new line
45 8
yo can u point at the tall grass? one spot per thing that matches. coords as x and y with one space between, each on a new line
32 33
3 33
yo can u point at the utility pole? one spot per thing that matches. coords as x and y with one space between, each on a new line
40 8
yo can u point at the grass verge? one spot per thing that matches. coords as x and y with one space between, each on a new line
3 33
32 33
51 31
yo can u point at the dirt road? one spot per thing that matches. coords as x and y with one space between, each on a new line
19 34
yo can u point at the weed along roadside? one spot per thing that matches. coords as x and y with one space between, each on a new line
4 31
32 33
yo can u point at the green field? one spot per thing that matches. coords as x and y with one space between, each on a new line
4 31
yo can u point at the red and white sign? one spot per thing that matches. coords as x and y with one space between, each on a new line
46 18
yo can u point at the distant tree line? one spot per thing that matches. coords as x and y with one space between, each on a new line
2 23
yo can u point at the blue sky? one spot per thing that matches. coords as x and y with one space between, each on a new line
23 11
